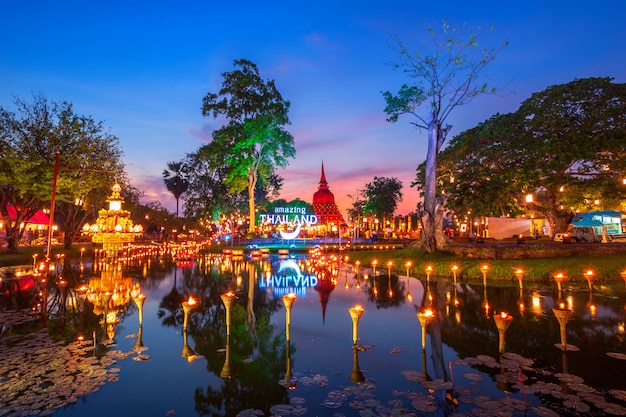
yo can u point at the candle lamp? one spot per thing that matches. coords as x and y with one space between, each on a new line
288 300
559 278
503 321
589 277
519 273
455 270
389 265
429 270
562 315
227 299
424 318
355 313
484 270
408 265
187 306
374 263
139 300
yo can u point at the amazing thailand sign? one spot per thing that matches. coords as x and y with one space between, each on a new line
290 216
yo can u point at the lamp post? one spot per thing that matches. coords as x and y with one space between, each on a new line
519 273
562 315
187 351
374 263
429 270
484 270
227 299
409 296
288 300
503 321
355 313
559 278
589 277
424 318
455 270
139 300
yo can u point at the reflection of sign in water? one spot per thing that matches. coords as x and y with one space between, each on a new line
282 280
290 216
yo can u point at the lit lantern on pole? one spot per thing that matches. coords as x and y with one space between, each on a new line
424 318
562 315
503 321
227 299
355 313
484 270
288 300
429 270
589 277
455 270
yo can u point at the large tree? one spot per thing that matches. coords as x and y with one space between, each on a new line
31 136
253 140
565 146
382 196
448 77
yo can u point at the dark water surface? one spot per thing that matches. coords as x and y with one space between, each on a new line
156 368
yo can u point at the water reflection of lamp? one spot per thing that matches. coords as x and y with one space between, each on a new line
424 318
503 321
227 299
563 315
425 367
288 300
356 375
226 372
291 384
355 313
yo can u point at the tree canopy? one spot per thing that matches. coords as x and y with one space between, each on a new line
253 140
382 196
565 146
30 137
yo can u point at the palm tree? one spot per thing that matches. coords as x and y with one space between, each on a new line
175 181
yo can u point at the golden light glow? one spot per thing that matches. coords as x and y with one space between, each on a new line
191 301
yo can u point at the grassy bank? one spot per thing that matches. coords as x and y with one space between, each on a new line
606 268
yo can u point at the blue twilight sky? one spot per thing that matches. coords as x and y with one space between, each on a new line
142 68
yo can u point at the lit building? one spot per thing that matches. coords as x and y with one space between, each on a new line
324 205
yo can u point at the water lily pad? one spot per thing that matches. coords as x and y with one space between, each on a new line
473 376
281 409
616 355
618 393
544 412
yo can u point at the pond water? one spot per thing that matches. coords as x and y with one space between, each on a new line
153 359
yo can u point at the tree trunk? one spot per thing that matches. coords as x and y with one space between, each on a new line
251 186
431 216
558 223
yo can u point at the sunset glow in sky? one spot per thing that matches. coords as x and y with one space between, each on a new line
142 68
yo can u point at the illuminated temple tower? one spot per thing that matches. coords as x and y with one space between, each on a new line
324 204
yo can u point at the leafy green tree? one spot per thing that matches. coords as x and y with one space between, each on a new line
253 141
449 77
474 172
175 180
565 146
30 138
382 196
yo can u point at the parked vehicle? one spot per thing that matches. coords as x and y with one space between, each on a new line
578 234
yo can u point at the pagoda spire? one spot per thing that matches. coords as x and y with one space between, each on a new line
323 183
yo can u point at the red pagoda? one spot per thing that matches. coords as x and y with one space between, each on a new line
324 204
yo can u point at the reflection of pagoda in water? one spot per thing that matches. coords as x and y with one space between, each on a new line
324 204
113 227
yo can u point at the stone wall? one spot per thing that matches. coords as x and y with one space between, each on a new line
530 250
